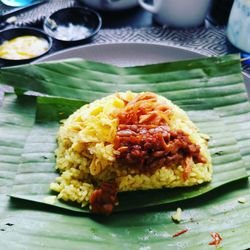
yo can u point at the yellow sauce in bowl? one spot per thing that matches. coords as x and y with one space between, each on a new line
23 47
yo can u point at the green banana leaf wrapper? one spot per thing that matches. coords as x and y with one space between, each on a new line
213 93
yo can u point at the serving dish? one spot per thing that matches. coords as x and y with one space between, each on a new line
73 25
37 226
9 34
131 54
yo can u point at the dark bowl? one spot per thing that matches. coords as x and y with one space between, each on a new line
73 25
9 34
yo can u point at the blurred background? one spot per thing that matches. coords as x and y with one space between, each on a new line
112 17
118 17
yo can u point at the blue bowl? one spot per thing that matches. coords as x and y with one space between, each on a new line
246 58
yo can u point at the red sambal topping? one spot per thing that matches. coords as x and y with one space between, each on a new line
180 233
216 239
146 143
104 199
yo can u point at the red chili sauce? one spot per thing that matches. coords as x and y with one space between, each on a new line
145 143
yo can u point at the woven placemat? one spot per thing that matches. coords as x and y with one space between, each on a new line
210 41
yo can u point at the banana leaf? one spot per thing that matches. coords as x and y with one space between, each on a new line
16 119
37 168
29 225
15 114
194 82
237 118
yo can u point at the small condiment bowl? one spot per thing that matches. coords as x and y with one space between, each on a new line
73 25
9 34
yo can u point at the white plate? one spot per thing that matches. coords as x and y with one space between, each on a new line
130 54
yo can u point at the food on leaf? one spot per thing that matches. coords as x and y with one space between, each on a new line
176 217
216 239
127 142
242 200
180 233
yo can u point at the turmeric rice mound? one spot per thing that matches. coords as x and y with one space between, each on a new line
87 155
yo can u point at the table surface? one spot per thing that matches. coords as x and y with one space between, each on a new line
135 18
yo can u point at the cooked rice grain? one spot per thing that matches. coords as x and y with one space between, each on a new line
86 157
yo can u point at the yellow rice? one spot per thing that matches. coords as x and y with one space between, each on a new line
85 155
